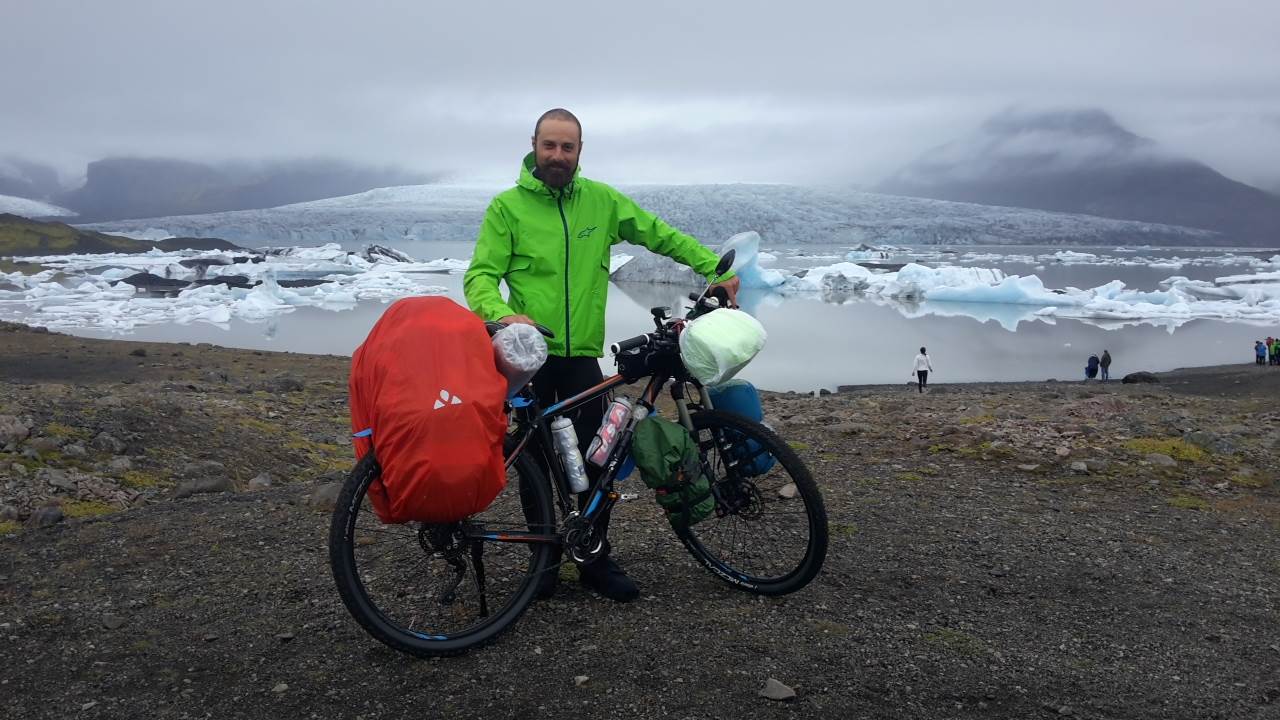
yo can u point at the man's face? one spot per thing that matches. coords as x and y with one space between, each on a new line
555 151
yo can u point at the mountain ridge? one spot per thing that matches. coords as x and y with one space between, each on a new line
1085 162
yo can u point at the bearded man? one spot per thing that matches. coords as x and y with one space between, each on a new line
549 239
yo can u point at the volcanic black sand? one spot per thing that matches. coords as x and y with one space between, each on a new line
997 550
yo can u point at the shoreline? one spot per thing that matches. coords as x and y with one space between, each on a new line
1196 375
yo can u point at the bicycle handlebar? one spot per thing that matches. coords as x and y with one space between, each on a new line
494 326
630 343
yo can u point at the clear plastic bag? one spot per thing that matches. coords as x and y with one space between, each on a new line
717 345
519 350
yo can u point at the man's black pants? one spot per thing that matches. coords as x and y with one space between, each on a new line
562 378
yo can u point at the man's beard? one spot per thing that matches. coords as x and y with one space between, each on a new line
555 175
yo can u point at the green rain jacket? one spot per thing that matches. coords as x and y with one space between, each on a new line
552 248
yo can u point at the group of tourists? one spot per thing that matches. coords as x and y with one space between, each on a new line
922 365
1094 364
1268 352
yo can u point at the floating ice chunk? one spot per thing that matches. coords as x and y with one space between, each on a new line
1268 277
647 267
746 261
1071 257
1011 290
91 300
617 261
823 278
382 253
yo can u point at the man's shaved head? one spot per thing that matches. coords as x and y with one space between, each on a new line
557 114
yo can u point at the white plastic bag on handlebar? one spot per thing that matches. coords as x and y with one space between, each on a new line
519 351
715 346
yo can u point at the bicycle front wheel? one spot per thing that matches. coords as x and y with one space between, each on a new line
769 531
438 590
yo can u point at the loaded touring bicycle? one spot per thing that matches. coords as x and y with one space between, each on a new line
745 507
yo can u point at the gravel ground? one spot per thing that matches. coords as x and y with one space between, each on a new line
1006 550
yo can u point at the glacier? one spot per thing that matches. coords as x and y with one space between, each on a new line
32 208
781 214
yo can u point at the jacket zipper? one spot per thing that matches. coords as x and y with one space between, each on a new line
564 222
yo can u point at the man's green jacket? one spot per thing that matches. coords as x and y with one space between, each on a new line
552 247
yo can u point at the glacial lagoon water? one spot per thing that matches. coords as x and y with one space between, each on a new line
823 341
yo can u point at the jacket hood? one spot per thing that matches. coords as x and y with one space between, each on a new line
528 181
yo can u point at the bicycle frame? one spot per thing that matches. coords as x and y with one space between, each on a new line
533 425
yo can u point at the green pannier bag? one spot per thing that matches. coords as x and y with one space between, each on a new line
668 461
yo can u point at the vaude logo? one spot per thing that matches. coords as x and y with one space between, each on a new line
446 398
586 233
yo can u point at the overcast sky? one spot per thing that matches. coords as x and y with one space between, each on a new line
711 91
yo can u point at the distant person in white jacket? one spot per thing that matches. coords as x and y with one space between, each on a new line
921 370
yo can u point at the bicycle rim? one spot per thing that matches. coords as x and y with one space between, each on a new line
769 532
416 587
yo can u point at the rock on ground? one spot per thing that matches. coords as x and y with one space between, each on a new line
187 488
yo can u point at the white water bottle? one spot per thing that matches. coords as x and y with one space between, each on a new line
615 418
567 448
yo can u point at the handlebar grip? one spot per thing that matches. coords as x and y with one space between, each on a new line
628 344
546 332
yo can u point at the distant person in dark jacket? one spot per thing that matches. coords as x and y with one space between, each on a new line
1260 353
1091 368
1105 364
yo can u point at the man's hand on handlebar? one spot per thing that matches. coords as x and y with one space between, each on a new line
730 286
520 320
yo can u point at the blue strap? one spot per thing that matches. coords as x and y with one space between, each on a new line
367 432
520 401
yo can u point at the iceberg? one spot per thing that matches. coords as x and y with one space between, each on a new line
746 261
88 290
1243 298
649 267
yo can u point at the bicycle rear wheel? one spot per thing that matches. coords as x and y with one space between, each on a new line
434 590
769 531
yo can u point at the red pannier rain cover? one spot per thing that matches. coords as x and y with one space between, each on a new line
425 383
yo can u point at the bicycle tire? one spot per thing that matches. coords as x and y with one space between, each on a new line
534 494
789 466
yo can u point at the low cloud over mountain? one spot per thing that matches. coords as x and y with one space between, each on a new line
120 188
26 179
1085 162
